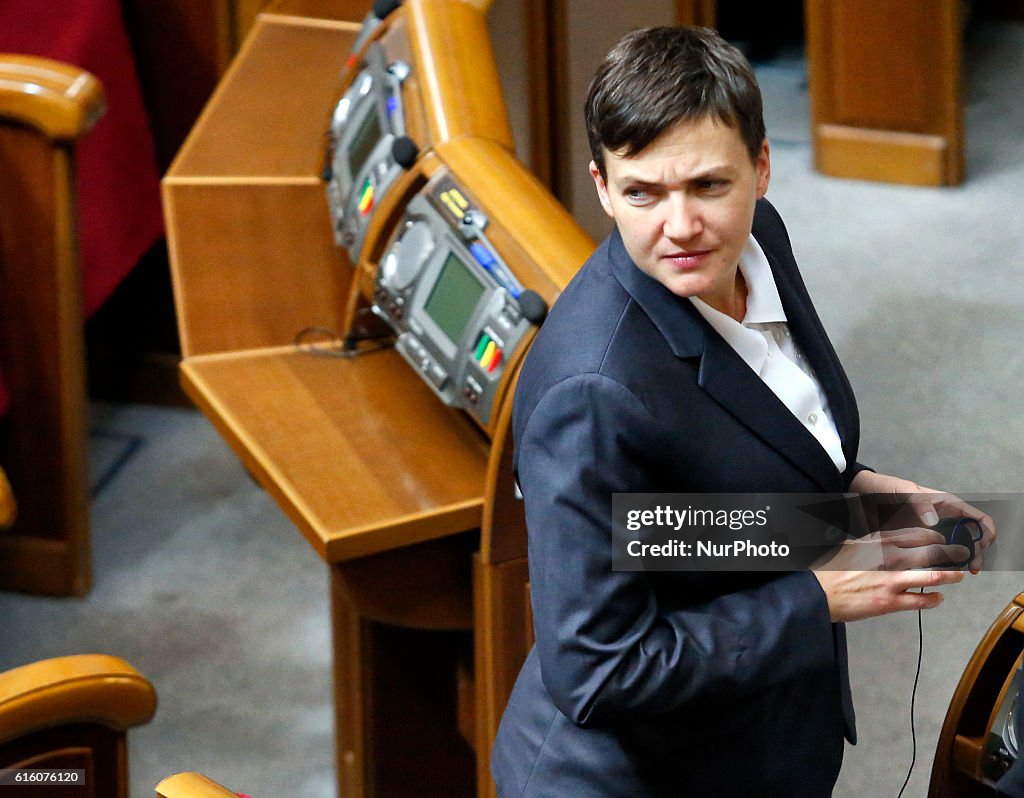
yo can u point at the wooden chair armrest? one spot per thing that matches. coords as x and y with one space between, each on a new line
84 688
8 507
59 100
191 785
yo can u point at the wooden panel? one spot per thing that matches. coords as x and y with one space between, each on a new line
550 116
909 158
42 352
462 93
888 67
244 14
350 448
552 244
880 73
270 114
350 680
395 697
503 532
421 586
695 12
500 647
32 564
341 10
253 264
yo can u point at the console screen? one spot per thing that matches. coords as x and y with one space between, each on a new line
364 141
454 298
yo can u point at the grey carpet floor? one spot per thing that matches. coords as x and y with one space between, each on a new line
204 585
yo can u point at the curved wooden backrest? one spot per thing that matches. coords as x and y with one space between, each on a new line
959 767
73 713
44 107
59 100
191 785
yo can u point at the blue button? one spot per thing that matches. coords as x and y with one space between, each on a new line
392 104
482 254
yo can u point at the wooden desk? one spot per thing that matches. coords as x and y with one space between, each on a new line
358 452
380 478
385 482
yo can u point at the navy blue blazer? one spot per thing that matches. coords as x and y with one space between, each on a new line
681 684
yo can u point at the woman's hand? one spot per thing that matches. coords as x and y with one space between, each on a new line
883 572
929 506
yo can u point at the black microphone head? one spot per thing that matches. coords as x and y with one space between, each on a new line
381 8
533 306
404 151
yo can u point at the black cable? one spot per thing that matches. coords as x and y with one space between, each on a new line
913 698
324 342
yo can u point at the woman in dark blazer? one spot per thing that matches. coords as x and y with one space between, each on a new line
681 684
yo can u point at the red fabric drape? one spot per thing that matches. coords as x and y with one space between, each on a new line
118 182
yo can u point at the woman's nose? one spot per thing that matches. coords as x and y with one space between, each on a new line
683 221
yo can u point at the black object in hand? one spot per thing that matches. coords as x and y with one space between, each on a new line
964 531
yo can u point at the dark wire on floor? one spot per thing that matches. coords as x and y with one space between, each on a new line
913 699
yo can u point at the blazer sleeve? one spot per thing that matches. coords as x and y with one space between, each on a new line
607 649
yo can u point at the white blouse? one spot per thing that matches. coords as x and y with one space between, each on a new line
764 343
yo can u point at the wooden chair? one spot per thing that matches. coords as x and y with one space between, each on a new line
191 785
963 766
73 713
45 107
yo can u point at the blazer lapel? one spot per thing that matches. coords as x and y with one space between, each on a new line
810 336
732 383
722 373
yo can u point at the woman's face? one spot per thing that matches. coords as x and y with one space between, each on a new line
684 206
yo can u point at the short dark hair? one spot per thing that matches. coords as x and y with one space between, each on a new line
655 78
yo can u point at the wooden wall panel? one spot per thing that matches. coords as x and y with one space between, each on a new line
594 26
873 56
885 89
508 23
695 12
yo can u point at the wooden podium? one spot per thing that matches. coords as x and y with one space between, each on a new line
391 487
